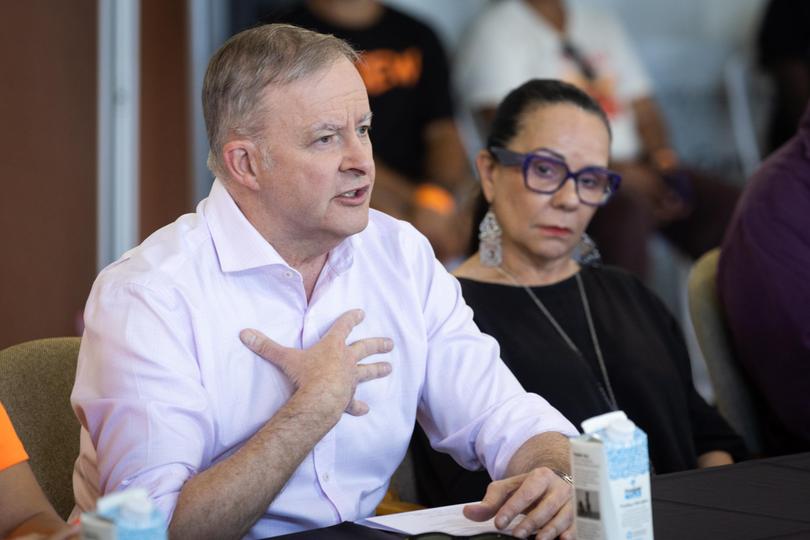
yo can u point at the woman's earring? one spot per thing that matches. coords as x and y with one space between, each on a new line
586 252
489 240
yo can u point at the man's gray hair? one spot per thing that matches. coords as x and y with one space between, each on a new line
245 65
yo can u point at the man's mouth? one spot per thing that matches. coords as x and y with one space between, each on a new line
354 194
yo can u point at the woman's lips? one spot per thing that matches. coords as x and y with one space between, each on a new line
554 230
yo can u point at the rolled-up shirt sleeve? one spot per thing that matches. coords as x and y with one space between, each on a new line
472 407
138 391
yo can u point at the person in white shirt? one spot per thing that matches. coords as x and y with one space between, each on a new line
228 363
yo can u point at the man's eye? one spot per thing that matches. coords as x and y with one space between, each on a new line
363 130
325 138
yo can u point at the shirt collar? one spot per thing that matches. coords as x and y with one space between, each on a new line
240 246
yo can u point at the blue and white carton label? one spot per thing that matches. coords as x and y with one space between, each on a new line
125 515
611 470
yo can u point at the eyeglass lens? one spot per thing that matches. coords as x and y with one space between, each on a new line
546 176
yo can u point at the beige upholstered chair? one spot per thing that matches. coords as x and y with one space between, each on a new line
735 399
36 379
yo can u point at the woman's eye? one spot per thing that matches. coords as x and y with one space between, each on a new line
589 182
544 170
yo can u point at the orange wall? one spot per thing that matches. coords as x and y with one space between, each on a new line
166 186
47 165
48 147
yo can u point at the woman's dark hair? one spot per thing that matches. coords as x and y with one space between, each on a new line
532 94
526 97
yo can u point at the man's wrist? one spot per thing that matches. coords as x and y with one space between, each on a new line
321 406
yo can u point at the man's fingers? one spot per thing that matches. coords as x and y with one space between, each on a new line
532 489
368 372
343 325
561 523
541 497
571 533
366 347
71 532
497 492
263 345
357 407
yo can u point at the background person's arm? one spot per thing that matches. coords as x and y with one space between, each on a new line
653 134
225 500
25 509
446 167
715 458
446 160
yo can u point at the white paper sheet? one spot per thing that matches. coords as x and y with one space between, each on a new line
447 519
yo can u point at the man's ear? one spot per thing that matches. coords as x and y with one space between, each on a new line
241 160
486 165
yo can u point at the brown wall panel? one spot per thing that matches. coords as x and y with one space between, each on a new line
48 165
166 186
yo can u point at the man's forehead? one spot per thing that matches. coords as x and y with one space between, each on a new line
326 96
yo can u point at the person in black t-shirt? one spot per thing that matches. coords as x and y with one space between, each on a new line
588 338
420 160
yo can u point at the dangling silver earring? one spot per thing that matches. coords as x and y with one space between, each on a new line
586 252
489 240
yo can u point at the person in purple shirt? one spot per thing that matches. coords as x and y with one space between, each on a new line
764 285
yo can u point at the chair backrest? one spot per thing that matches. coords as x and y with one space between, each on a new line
735 399
36 379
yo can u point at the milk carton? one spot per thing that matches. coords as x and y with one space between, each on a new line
126 515
611 470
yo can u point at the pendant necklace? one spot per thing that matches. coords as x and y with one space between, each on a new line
606 388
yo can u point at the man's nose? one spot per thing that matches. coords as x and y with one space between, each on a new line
357 157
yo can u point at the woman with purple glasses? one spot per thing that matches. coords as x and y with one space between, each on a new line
588 338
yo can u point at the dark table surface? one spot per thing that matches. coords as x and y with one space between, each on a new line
755 500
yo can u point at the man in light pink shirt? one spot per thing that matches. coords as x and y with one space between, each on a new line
258 365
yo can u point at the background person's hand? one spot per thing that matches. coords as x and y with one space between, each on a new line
329 369
664 202
544 498
69 532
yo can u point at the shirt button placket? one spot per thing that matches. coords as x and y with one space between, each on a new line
324 469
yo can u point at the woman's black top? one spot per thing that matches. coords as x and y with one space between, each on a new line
646 359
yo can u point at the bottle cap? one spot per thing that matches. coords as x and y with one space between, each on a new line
621 431
598 423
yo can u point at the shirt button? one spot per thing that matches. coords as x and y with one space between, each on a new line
288 274
326 477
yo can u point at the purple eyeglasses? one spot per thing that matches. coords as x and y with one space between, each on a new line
547 174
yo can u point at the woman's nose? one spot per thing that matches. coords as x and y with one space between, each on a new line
566 196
